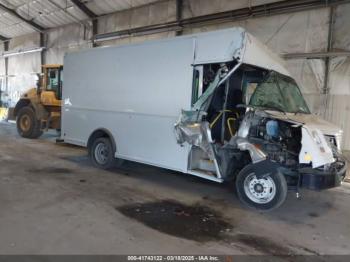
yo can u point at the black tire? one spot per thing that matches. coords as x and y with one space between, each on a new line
27 124
102 154
249 187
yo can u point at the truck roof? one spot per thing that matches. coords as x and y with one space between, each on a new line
223 46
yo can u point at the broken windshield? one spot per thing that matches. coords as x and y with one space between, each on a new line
281 93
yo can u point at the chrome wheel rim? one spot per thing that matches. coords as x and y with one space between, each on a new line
259 190
101 153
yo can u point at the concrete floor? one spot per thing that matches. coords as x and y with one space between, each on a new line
53 202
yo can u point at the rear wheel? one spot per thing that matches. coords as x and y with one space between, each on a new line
102 154
27 124
261 191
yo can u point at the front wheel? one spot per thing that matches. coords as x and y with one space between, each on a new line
263 192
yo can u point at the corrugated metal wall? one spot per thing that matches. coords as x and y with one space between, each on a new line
338 101
288 33
66 39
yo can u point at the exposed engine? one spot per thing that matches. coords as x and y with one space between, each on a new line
281 141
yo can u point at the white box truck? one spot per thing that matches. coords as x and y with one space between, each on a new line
217 105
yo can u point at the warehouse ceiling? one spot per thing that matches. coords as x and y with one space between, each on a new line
20 17
54 13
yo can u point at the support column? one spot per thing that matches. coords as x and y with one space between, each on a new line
329 48
89 13
6 48
43 52
179 9
94 31
327 60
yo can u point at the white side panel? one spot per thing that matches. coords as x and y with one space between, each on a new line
22 69
136 92
69 38
220 46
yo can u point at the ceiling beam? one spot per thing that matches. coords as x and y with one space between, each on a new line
179 11
87 11
265 10
315 55
13 12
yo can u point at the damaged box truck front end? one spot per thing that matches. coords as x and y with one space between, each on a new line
250 123
238 114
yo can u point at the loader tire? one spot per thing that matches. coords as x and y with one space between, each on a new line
27 124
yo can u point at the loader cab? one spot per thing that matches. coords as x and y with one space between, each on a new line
53 79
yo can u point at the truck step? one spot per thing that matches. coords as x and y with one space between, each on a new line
207 175
207 165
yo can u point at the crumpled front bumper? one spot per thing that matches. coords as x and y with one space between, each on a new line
319 179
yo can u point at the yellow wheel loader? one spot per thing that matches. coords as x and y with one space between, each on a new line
39 109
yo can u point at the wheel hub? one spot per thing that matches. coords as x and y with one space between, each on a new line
101 153
25 123
259 190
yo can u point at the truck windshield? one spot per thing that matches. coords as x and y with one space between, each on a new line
279 92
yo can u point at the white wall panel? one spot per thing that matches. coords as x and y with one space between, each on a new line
204 7
22 69
340 66
338 112
338 109
2 61
66 39
3 96
137 17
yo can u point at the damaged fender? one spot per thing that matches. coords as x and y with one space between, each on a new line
255 153
314 149
196 134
